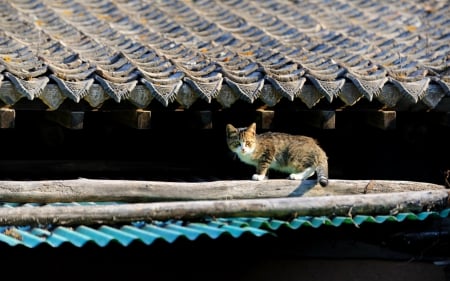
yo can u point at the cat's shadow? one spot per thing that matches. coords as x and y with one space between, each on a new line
303 188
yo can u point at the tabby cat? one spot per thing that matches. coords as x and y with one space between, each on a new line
300 156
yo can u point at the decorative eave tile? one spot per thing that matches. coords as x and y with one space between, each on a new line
30 88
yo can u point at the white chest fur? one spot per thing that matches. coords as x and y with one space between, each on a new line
247 158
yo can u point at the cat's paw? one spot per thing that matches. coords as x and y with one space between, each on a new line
257 177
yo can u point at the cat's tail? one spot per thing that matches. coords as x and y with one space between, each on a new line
322 174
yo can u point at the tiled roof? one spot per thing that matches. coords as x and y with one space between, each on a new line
173 230
180 51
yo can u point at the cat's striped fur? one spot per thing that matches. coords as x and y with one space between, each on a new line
299 156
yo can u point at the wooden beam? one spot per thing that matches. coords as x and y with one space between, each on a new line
68 119
204 119
151 191
385 120
7 118
277 208
264 119
138 119
321 119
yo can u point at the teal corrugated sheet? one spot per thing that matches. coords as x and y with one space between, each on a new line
172 230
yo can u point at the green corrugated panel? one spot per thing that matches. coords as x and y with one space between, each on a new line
444 213
10 240
29 238
186 231
100 238
142 235
72 236
121 237
272 224
167 234
50 238
172 230
212 232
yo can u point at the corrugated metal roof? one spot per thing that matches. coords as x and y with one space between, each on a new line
179 51
173 230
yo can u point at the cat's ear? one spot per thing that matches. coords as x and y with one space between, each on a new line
230 128
252 128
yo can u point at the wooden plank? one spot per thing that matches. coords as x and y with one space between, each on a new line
204 119
277 208
321 119
138 119
264 119
69 119
151 191
385 120
7 118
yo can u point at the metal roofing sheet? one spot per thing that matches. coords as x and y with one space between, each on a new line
179 51
172 230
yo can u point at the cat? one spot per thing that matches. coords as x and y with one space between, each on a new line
300 156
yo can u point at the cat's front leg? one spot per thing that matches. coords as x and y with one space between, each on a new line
261 171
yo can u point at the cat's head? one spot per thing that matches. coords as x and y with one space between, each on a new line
241 140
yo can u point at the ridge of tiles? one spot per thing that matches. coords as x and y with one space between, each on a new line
170 231
179 51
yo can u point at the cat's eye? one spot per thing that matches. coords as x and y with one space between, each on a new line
248 143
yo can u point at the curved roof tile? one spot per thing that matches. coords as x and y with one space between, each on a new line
177 51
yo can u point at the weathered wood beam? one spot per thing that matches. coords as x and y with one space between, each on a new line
138 119
385 120
321 119
264 119
7 118
153 191
69 119
277 208
205 119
